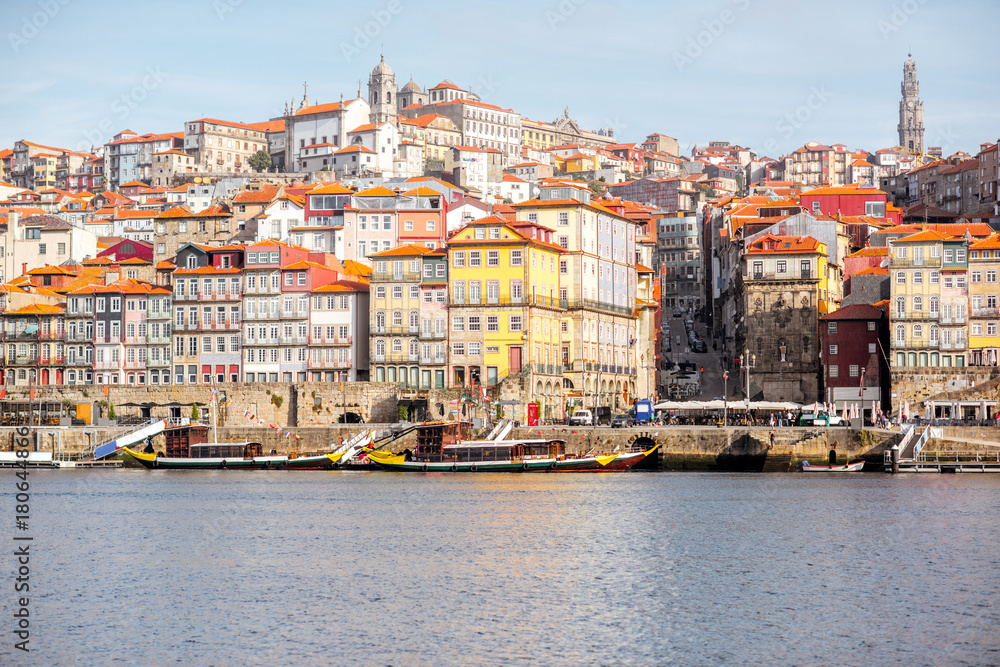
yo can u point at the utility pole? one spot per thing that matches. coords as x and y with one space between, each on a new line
725 397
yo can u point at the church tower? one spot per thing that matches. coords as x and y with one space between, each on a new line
382 94
911 110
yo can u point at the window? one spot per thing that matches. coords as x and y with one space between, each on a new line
397 291
459 257
872 348
918 277
871 325
474 323
834 349
458 323
935 277
831 328
475 259
380 292
493 323
900 277
515 258
563 218
834 371
492 258
563 267
458 349
853 370
41 248
515 323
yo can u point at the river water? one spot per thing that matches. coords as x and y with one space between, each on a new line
281 568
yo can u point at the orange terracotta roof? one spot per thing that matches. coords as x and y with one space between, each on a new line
772 244
356 268
262 196
131 261
871 251
991 242
929 235
175 212
269 126
318 108
873 271
208 269
354 149
164 264
406 250
331 189
39 309
377 191
216 121
422 191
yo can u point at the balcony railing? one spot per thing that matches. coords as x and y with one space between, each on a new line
787 275
395 276
294 340
433 359
434 335
329 363
220 295
953 319
52 361
985 312
595 305
909 262
135 364
334 340
953 345
107 365
79 337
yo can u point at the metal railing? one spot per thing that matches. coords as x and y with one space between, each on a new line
334 340
910 262
394 276
985 312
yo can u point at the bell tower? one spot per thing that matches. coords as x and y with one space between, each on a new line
911 110
382 94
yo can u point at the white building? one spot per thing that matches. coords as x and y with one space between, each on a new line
284 213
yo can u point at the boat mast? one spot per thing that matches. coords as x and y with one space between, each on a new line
211 412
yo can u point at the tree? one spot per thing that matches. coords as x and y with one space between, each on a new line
194 412
260 161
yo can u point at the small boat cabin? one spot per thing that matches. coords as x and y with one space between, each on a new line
225 450
190 441
448 441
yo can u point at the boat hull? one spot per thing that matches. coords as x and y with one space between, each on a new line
154 462
857 466
600 463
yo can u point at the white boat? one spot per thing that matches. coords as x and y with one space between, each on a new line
850 467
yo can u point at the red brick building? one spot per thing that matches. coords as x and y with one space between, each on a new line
854 344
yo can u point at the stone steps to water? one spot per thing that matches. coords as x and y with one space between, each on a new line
777 462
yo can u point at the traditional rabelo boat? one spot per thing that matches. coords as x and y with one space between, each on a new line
857 466
187 448
440 448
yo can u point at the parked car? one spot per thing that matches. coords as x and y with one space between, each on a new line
837 421
581 418
677 312
622 421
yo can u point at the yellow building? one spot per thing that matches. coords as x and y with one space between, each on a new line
577 162
929 300
984 292
599 283
504 312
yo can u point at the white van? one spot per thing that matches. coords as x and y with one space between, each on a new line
582 418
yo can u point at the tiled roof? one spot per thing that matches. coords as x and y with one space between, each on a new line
39 309
929 235
774 244
377 191
871 251
354 149
857 311
873 271
262 196
407 250
216 121
319 108
331 189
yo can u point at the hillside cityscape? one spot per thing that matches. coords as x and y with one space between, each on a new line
417 235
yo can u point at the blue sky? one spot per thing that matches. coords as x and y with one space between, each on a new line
769 74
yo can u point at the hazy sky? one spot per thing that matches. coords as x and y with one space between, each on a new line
769 74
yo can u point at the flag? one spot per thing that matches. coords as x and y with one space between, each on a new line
246 413
260 422
287 433
32 393
3 392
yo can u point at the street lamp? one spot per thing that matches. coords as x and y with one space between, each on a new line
725 397
749 361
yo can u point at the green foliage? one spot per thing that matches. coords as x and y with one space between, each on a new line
111 412
260 161
195 415
277 400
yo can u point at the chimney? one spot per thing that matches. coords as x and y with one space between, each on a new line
24 268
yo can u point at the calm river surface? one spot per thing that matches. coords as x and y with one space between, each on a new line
278 568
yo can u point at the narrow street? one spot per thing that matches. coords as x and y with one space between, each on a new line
709 362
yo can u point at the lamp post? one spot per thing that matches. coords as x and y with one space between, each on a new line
749 361
725 397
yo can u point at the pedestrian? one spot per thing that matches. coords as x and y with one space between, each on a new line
772 440
772 426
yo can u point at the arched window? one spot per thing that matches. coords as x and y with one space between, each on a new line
380 347
375 97
934 335
918 303
911 359
934 303
388 98
900 334
900 359
934 359
414 319
918 331
397 345
127 249
397 318
380 320
414 347
901 305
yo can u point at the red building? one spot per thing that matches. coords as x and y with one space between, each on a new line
850 201
128 249
854 342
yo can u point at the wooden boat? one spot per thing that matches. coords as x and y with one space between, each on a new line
441 449
213 455
857 466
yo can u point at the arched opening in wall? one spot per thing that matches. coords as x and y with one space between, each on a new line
833 457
